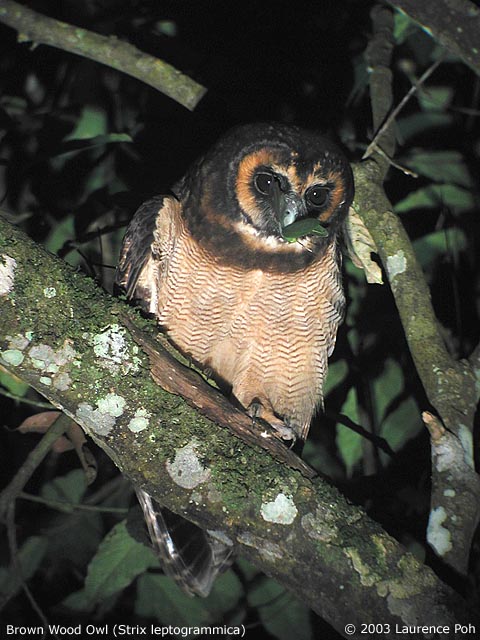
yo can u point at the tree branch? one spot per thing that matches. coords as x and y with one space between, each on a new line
34 27
378 55
455 24
62 335
449 385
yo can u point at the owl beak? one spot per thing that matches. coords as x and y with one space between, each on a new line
287 207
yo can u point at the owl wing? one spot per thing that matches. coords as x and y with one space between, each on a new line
189 555
146 250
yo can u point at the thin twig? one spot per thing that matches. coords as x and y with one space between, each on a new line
405 170
34 403
394 113
34 459
15 564
377 441
66 506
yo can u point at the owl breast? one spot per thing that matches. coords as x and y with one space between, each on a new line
265 334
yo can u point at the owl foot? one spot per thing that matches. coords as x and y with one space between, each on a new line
280 429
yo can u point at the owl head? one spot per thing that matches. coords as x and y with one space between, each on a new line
259 181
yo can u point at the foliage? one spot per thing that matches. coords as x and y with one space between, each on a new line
82 146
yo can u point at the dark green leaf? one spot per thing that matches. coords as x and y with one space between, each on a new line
439 243
439 166
29 558
337 372
418 123
282 615
225 595
435 98
118 561
437 195
386 387
402 424
13 384
159 597
349 443
92 122
69 488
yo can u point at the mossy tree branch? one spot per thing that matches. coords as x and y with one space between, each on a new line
62 335
37 28
451 386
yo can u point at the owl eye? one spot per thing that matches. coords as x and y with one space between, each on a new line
264 182
317 196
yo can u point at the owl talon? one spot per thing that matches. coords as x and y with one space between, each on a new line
281 430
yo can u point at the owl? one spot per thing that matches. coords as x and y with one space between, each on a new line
241 266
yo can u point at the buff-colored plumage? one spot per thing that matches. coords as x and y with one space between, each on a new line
266 334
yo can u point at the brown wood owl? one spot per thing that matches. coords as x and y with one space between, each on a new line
214 262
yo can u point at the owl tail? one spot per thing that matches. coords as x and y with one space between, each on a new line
188 554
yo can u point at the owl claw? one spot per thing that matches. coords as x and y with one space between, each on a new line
281 430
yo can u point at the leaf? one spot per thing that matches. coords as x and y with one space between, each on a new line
225 595
386 387
80 602
404 422
13 384
361 77
301 228
39 422
69 488
92 122
361 245
29 558
349 443
282 615
337 372
438 244
418 123
58 236
118 561
66 547
249 571
437 195
438 98
439 166
159 597
402 425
